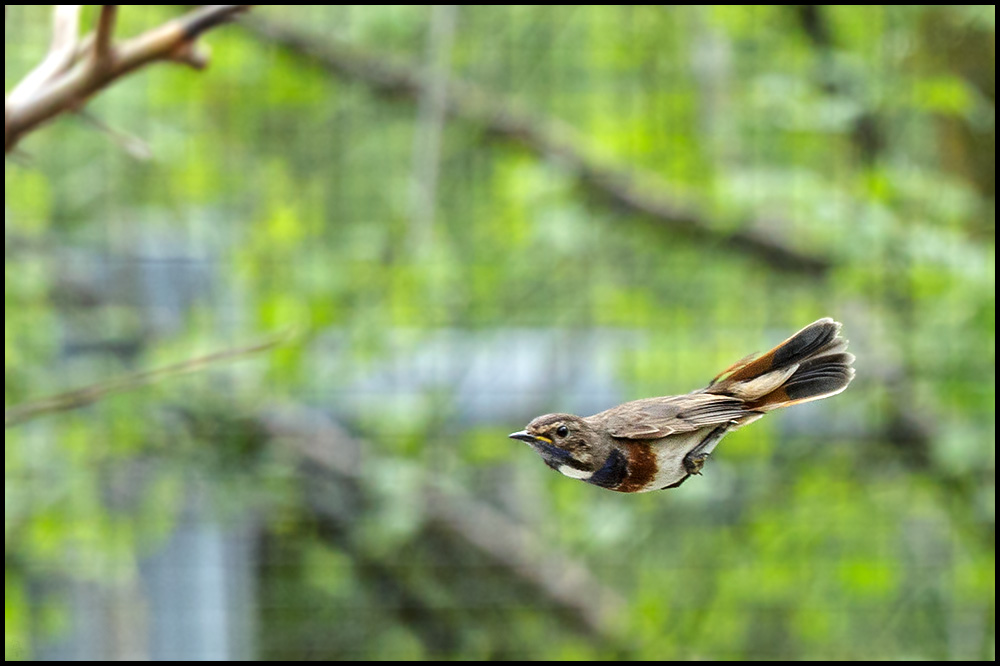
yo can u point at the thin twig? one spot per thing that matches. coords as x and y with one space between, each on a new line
88 395
133 146
105 34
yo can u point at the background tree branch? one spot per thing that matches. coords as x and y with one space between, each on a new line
502 119
76 69
88 395
327 453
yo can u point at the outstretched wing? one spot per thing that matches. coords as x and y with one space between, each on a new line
654 418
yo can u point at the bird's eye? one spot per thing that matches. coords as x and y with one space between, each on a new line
562 431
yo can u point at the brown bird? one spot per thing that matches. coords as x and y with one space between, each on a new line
658 443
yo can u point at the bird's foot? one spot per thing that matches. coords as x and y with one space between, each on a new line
695 460
696 457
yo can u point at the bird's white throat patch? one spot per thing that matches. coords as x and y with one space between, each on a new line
574 473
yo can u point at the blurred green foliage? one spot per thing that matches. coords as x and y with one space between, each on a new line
861 135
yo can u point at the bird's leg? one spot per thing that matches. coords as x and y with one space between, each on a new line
696 457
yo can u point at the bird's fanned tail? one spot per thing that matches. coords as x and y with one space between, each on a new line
810 365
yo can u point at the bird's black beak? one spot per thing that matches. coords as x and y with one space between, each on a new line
525 436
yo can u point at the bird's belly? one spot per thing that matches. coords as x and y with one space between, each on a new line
670 452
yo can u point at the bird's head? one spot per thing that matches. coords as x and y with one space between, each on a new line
567 443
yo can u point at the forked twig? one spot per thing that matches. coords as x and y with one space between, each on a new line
75 69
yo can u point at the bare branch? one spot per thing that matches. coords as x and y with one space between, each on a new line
62 50
66 27
65 83
104 34
89 395
503 120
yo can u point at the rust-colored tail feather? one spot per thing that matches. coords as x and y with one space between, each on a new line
810 365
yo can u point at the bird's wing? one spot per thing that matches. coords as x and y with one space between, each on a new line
654 418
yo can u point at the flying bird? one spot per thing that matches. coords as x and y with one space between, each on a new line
657 443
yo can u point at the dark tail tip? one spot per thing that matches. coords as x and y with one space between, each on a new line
806 342
815 339
812 364
824 367
820 377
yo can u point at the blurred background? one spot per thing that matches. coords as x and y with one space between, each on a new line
404 232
